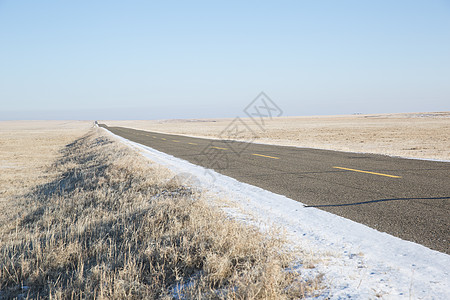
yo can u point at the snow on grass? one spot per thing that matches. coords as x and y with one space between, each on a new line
356 261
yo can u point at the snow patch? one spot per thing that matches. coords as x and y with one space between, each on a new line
357 261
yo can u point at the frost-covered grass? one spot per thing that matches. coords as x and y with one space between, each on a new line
107 223
27 148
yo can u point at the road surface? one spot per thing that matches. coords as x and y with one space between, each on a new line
407 198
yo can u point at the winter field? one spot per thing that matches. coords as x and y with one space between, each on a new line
413 135
87 214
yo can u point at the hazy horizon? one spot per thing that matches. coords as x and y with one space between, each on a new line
65 116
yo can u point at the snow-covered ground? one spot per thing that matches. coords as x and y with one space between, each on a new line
357 262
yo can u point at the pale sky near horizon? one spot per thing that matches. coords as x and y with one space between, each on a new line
200 59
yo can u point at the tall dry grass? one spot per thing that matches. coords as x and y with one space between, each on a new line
111 225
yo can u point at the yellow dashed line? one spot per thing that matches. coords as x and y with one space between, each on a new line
265 156
175 141
192 144
360 171
220 148
164 139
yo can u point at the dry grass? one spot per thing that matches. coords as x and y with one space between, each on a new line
27 149
105 223
421 135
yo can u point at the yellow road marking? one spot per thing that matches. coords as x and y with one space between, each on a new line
266 156
374 173
175 141
192 144
154 137
220 148
164 139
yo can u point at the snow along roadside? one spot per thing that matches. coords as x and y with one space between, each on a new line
357 261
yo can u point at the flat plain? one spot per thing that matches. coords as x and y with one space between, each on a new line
27 148
70 194
84 216
412 135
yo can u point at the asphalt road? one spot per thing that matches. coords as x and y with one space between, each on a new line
407 198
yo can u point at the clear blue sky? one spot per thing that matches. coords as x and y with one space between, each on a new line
199 59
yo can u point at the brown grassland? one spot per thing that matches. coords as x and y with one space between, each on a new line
414 135
84 216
